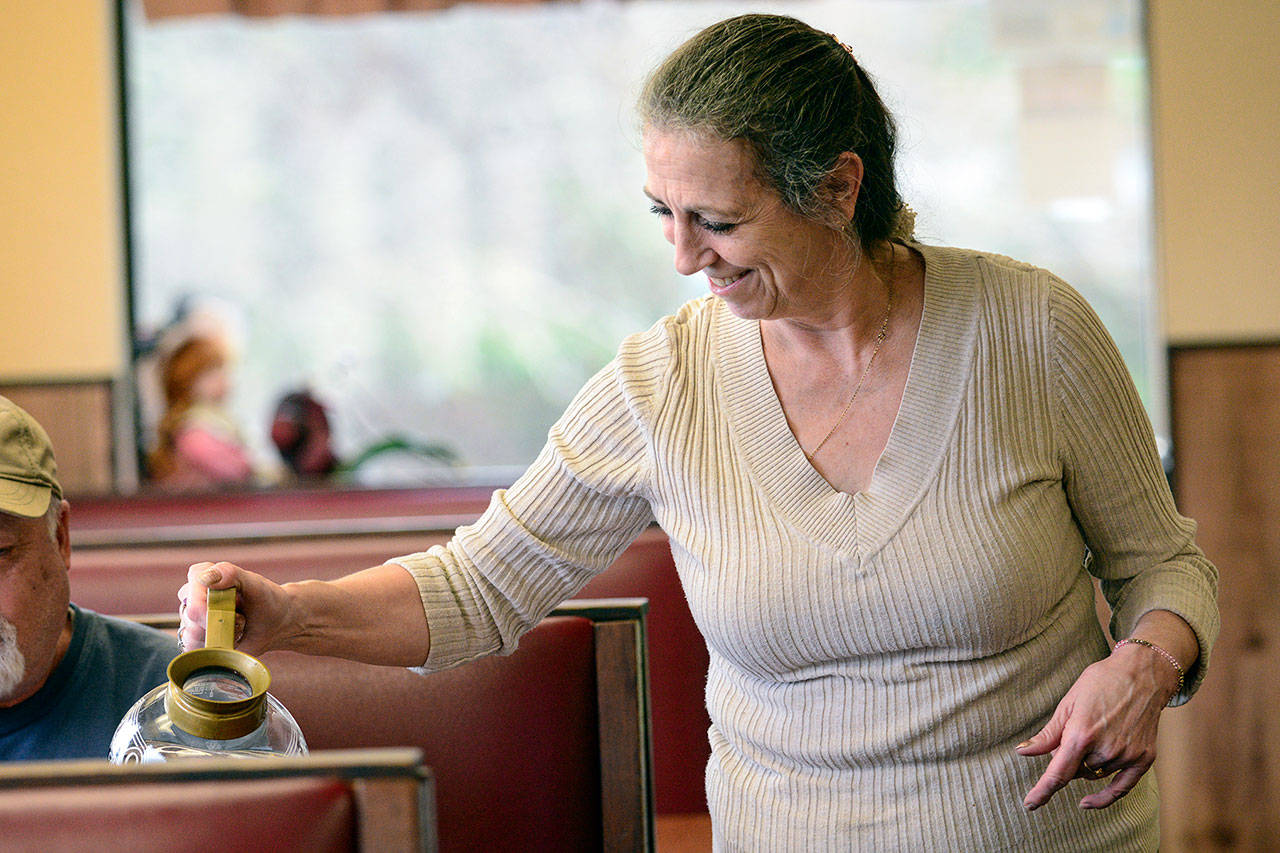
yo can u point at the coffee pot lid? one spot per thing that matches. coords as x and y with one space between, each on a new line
216 692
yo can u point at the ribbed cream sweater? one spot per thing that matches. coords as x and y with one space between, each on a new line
874 657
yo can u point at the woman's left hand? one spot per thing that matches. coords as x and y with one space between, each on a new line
1104 726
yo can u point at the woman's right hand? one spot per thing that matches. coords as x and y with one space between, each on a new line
261 606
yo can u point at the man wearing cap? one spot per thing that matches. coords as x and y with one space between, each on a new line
67 675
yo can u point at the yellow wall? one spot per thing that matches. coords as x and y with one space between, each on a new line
61 299
1216 113
1216 131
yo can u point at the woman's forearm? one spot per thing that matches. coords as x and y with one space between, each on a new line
374 616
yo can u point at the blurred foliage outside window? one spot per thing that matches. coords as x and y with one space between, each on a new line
435 221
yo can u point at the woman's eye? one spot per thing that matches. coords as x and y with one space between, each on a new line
705 224
718 227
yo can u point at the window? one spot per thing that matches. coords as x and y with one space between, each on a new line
435 219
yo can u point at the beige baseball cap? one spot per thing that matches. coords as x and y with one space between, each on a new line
28 474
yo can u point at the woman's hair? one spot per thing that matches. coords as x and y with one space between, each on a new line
799 99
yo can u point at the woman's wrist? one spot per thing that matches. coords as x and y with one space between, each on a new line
1148 660
304 608
1162 652
1170 633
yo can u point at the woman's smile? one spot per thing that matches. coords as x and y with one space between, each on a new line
721 286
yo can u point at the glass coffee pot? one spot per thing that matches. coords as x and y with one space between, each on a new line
215 704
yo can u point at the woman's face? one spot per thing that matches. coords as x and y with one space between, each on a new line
764 260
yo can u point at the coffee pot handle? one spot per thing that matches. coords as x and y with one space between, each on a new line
220 630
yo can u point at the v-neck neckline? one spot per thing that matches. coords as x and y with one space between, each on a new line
936 380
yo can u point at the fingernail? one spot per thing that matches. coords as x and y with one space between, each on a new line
1030 806
1023 745
210 576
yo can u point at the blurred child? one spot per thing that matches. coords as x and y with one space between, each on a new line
198 444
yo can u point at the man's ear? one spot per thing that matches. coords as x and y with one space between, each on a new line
844 183
64 533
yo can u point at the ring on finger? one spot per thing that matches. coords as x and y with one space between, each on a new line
1095 772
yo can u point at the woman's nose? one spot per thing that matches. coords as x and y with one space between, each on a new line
692 254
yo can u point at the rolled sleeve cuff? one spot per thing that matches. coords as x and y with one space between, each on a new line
1185 597
444 613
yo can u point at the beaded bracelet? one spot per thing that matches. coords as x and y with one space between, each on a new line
1138 641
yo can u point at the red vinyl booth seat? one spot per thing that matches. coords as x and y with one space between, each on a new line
143 579
340 801
309 814
120 565
512 741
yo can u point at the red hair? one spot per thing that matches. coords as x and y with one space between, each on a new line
185 365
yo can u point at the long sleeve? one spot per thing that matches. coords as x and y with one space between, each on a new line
581 502
1142 549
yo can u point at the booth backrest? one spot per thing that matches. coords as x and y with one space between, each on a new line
377 800
142 574
547 749
678 664
143 577
96 516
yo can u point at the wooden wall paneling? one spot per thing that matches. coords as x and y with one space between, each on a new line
78 417
1219 764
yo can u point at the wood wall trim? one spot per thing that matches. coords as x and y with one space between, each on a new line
1222 346
267 8
78 415
1219 764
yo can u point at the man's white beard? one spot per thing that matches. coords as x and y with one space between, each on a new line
13 666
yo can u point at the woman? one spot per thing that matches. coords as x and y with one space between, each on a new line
884 468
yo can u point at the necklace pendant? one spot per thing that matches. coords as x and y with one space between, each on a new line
880 338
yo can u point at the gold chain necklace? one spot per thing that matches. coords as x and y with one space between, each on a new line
884 332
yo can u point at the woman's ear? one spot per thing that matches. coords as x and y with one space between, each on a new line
843 184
